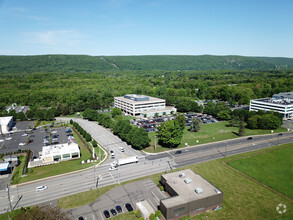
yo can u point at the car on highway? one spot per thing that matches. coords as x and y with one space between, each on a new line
118 208
128 207
106 213
113 168
121 149
178 152
113 211
41 188
249 138
112 154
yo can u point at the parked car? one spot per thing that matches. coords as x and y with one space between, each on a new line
118 208
113 211
107 213
128 207
121 149
41 188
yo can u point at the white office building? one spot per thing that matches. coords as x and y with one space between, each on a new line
60 152
140 105
282 103
6 123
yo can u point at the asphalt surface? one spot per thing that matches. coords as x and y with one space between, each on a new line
68 184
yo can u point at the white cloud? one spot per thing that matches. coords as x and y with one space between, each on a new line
54 37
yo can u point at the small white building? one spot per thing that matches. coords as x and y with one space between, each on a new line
6 123
282 103
60 152
140 105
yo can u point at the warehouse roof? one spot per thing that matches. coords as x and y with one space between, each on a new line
188 186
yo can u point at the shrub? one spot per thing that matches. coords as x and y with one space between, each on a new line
152 216
158 214
137 213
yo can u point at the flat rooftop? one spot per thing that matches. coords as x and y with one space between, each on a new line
187 191
136 99
4 166
274 101
5 120
51 150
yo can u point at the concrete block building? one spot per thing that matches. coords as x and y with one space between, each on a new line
6 124
282 103
60 152
140 105
190 194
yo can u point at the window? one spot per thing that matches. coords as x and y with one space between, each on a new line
66 156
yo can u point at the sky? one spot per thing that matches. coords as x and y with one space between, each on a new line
147 27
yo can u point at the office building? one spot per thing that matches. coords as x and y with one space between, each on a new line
190 194
6 124
141 105
282 103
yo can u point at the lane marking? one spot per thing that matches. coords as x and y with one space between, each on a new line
112 177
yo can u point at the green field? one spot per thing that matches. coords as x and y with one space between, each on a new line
275 169
208 133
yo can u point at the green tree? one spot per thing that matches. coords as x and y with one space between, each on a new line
253 122
21 116
140 139
116 111
181 120
94 143
234 121
88 137
195 125
241 130
170 134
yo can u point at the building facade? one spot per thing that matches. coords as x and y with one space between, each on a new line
190 195
282 103
140 105
6 124
60 152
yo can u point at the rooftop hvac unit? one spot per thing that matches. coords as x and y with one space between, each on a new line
217 191
181 175
198 190
187 180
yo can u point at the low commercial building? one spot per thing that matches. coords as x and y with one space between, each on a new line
190 195
282 103
140 105
4 168
6 124
60 152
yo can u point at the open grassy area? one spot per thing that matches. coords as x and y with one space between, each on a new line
243 197
17 172
59 168
208 133
275 169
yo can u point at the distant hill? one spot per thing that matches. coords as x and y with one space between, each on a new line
88 64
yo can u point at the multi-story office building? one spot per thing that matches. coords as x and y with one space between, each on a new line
282 103
140 105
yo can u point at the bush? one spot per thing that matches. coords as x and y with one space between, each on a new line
152 216
162 188
158 214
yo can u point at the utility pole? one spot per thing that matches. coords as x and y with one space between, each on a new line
7 190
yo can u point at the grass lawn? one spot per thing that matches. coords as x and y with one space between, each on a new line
275 169
17 172
243 197
208 133
59 168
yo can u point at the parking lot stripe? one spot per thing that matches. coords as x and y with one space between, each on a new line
152 204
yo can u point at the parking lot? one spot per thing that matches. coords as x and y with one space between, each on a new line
25 138
150 124
144 190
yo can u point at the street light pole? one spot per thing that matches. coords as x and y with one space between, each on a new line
7 189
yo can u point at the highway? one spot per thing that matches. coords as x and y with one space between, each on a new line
99 176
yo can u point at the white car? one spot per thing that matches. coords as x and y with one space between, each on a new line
121 149
112 168
21 144
54 132
8 138
41 188
1 140
25 134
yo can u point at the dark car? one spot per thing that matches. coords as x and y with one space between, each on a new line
280 134
128 207
249 138
113 212
118 208
107 214
178 152
80 218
